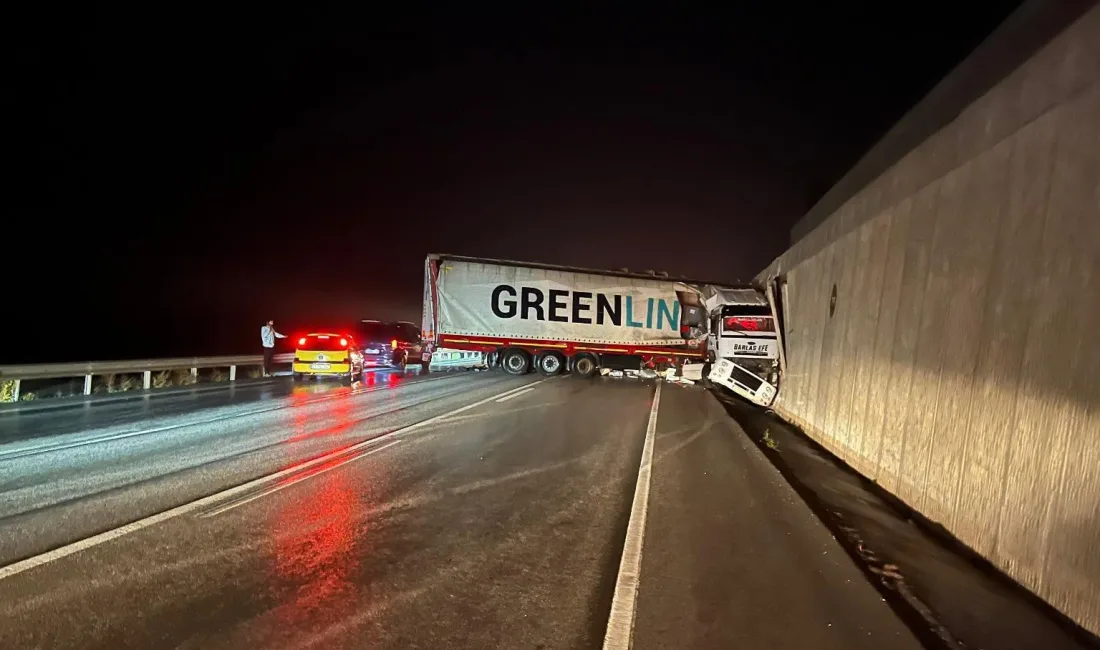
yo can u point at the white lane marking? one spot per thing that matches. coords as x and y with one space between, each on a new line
298 479
20 452
620 624
522 392
152 520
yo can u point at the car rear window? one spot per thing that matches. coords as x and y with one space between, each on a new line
323 343
377 331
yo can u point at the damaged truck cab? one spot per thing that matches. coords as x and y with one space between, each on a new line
743 346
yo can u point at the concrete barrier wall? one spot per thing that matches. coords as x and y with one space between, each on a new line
959 366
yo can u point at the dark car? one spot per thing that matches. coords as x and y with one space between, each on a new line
394 344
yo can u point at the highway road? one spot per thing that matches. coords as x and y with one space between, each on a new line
456 510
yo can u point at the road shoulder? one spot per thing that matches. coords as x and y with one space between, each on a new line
732 554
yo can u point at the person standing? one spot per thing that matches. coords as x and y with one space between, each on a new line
267 337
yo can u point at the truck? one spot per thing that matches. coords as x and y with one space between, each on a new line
556 319
743 346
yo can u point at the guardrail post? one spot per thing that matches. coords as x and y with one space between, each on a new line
195 374
147 379
15 391
87 384
232 373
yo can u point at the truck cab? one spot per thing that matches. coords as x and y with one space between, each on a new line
743 348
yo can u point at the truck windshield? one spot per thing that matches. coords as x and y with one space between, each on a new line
748 324
747 318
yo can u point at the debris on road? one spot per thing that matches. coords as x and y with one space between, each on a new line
692 371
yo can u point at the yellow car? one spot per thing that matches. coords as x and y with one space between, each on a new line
327 355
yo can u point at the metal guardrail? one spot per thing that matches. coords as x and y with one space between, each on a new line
144 367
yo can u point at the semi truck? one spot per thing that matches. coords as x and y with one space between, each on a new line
556 319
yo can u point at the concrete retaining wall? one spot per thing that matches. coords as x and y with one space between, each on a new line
960 365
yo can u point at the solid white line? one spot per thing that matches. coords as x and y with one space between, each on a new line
152 520
620 624
522 392
8 454
304 477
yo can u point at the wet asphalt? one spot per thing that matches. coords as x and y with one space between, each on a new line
314 516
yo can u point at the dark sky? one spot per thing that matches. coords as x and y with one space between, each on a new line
183 176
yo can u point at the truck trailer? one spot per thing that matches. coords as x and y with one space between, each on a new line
561 319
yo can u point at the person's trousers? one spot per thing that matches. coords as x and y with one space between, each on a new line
269 355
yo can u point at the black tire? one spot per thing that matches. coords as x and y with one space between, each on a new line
549 363
585 366
401 359
516 362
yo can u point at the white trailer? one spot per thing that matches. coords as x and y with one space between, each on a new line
556 318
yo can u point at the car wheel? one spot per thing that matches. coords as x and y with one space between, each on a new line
516 362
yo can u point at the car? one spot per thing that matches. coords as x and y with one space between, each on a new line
393 344
321 354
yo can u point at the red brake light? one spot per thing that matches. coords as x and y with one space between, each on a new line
343 343
393 344
302 341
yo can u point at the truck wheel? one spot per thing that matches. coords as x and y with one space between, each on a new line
584 366
549 363
516 362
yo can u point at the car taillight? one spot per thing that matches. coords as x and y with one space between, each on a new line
393 344
343 343
302 341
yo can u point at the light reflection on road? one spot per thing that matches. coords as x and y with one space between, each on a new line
315 546
320 539
316 553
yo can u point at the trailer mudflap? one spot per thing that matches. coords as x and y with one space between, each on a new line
742 382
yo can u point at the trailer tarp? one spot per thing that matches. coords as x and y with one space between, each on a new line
491 299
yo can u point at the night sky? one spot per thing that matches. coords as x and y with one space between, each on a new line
182 177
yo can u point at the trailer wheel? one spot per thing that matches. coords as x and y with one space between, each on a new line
584 366
516 362
549 363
